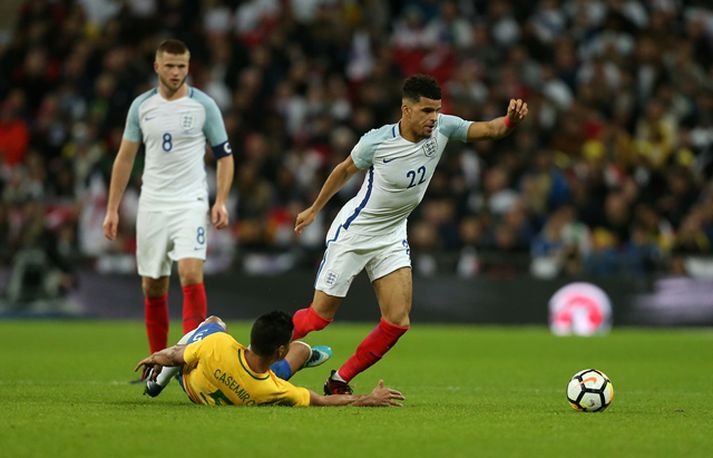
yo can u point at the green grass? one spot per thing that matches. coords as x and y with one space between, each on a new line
471 391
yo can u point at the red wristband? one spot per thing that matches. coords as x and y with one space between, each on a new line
508 123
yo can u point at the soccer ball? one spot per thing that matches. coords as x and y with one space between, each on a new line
590 390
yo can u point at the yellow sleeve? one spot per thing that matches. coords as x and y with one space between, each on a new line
291 395
190 353
194 351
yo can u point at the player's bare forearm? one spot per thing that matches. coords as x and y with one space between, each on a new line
171 356
335 181
499 127
380 397
219 213
334 399
120 173
225 169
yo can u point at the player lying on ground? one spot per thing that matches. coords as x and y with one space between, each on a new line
300 355
214 369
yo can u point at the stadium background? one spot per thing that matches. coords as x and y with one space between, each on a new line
608 180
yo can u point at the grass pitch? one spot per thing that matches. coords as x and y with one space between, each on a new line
471 391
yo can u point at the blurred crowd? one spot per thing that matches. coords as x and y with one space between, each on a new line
609 175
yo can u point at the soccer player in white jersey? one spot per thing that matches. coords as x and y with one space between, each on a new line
176 123
370 230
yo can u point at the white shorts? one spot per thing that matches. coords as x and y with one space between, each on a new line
166 236
348 254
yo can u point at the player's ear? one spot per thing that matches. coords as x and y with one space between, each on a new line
155 66
282 351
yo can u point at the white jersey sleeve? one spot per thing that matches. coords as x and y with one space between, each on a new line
132 130
453 127
214 127
363 152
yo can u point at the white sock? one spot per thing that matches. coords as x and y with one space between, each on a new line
336 377
167 373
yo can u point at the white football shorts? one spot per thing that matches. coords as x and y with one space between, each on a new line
348 254
166 236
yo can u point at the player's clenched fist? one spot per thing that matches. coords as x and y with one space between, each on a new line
517 110
304 219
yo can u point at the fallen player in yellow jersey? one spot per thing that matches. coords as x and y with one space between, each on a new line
214 369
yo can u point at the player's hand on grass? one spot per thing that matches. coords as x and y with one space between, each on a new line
146 365
111 225
383 397
517 110
304 219
219 215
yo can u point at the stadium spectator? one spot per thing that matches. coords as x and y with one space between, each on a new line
561 246
614 96
14 134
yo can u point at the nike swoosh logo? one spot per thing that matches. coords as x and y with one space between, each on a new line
589 379
146 118
389 160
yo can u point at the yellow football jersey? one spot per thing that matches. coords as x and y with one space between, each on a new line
216 373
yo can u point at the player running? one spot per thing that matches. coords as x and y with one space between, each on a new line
214 369
175 122
370 230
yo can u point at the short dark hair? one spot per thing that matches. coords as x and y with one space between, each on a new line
269 331
417 86
172 46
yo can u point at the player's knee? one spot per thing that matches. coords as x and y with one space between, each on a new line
299 351
404 322
325 306
216 320
191 276
154 287
398 318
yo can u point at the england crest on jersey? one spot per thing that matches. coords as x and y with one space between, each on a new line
331 278
187 120
430 147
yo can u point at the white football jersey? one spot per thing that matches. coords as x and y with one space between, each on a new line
175 133
398 175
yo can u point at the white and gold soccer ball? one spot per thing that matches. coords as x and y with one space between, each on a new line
590 390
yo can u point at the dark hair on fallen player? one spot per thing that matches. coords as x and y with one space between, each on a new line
172 46
417 86
269 331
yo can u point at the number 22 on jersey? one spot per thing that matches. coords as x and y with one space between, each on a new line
419 174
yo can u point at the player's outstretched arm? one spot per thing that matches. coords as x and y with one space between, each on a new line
171 356
499 127
379 397
335 181
120 173
219 213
